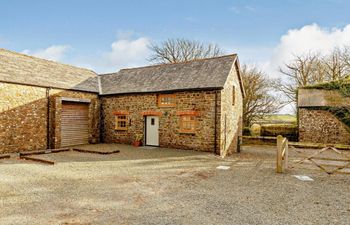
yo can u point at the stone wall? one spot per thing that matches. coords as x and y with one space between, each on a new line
23 116
321 126
202 102
231 114
55 112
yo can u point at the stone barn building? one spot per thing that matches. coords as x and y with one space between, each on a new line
324 112
193 105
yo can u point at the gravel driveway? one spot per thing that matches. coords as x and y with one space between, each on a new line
164 186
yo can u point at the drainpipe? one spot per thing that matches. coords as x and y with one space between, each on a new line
215 122
101 120
48 128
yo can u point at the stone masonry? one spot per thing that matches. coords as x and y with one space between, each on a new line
321 126
202 102
23 116
316 123
231 114
228 121
33 91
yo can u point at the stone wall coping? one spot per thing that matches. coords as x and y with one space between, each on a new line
318 97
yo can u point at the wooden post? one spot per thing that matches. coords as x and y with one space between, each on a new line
239 143
286 156
279 154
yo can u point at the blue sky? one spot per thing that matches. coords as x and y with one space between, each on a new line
109 35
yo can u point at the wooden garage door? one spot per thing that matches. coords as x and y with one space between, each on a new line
74 124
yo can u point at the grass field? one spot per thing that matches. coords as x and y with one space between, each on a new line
278 119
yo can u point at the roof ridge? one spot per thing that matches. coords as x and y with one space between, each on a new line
47 60
177 63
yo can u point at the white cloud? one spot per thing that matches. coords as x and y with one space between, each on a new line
54 52
127 53
310 38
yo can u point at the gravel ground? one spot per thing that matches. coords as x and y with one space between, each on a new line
164 186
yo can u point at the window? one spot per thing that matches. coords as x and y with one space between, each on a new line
187 124
166 100
233 95
121 122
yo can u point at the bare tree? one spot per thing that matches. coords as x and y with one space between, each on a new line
303 70
345 57
259 100
313 68
336 64
182 50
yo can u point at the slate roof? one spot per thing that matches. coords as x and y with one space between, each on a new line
208 73
24 69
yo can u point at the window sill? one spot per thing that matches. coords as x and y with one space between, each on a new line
120 129
166 106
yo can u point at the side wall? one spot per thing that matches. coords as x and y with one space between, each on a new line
203 102
231 114
23 116
320 126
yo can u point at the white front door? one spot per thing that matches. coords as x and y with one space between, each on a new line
152 130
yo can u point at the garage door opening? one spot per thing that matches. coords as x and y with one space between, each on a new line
74 124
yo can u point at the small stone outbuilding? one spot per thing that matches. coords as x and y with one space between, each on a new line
194 105
324 113
39 100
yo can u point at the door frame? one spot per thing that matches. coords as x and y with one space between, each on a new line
145 132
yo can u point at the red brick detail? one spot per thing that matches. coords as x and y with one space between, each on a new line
151 113
121 113
188 113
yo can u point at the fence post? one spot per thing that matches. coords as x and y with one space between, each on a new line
239 144
286 156
279 154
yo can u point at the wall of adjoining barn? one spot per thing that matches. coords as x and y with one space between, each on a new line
24 113
136 105
321 126
317 121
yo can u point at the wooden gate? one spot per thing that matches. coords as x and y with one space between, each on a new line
74 124
330 160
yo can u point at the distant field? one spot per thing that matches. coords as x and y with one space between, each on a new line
277 119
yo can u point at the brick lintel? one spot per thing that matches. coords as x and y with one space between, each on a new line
151 113
121 112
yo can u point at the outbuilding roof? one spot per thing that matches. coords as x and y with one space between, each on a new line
210 73
201 74
24 69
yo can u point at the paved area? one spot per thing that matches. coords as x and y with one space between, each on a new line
165 186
